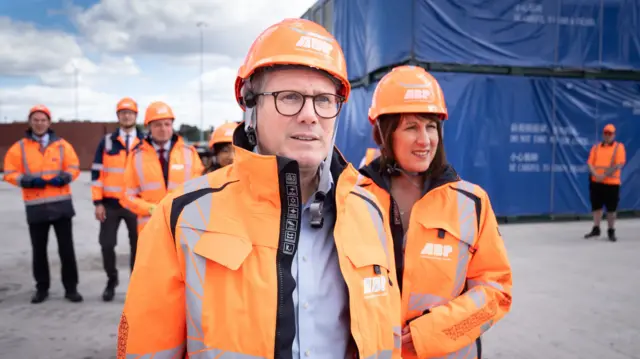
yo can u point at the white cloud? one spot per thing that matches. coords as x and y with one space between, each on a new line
149 50
26 50
171 26
90 73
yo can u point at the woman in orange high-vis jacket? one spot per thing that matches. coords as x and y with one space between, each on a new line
451 261
147 178
213 276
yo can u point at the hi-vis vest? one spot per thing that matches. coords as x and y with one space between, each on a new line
107 170
455 274
144 181
212 275
603 157
57 158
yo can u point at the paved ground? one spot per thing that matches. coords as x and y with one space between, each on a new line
573 299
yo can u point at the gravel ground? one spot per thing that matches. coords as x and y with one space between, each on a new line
573 298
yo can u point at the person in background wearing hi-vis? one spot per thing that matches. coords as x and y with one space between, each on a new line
107 187
370 155
161 163
44 165
606 160
280 254
452 265
221 147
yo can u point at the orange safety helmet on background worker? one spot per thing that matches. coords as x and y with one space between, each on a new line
451 261
279 254
161 163
605 161
221 146
107 188
44 165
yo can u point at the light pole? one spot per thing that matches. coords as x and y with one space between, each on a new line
201 25
75 85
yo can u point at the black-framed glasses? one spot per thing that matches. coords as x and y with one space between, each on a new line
290 103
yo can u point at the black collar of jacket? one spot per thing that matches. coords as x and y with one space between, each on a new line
383 180
338 162
52 135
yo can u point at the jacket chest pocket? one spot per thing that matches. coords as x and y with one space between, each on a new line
224 285
371 266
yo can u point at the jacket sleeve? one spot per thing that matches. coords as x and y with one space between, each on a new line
97 174
13 169
458 323
132 189
153 321
71 163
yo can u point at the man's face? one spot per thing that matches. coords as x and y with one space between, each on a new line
127 118
39 123
608 136
161 130
304 137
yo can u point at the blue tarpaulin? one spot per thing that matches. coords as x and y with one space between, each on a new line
524 140
543 33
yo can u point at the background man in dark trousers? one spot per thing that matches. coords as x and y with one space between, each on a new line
107 188
605 164
44 165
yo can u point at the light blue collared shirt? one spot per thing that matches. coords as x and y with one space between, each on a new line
321 300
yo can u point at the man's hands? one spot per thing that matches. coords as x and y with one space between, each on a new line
101 213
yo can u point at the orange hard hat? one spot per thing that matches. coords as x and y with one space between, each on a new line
157 111
295 42
407 89
40 108
127 103
223 134
609 128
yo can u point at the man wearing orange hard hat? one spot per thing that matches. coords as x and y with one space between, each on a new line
221 146
44 165
161 163
606 160
107 188
280 254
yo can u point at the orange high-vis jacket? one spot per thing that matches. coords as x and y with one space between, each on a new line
456 277
211 261
27 158
608 158
107 170
144 181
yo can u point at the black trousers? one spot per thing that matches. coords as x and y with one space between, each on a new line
39 238
109 238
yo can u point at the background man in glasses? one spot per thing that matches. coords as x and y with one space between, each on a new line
605 163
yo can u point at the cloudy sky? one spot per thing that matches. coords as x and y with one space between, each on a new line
146 49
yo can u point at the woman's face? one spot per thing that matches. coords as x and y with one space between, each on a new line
225 155
415 142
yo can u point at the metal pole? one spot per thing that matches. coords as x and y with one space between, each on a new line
75 68
201 26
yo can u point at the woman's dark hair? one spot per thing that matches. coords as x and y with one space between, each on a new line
384 140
